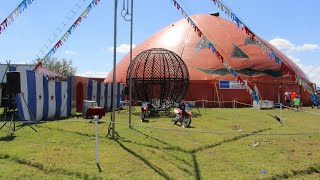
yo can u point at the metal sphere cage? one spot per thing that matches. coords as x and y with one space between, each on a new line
158 75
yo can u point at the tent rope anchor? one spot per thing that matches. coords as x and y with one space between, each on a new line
110 131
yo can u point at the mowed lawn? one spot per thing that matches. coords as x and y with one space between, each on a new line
159 150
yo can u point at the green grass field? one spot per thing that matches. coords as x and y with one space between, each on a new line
159 150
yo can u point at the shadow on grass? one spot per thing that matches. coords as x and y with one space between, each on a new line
78 133
148 136
46 170
227 141
92 122
178 166
153 167
276 118
307 171
194 164
168 146
7 138
196 167
59 118
196 114
74 132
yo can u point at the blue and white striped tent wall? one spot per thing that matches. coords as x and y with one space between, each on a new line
13 67
101 92
4 68
41 98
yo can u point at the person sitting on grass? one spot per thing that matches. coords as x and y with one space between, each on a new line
296 102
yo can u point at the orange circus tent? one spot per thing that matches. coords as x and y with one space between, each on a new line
206 70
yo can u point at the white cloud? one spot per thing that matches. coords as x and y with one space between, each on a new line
70 52
286 45
307 47
281 44
123 48
312 71
93 74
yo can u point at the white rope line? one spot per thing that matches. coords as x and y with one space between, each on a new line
210 101
220 132
238 102
244 104
191 131
310 112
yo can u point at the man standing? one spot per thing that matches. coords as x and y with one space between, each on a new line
293 95
287 98
315 100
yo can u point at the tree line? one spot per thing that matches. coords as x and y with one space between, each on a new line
62 66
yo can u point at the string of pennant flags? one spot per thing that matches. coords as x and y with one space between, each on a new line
77 6
263 46
14 14
66 35
206 43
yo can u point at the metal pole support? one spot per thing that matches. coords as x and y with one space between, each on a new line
96 119
114 69
202 103
284 121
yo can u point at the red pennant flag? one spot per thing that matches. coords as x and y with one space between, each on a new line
4 24
78 21
175 3
199 32
215 2
249 32
219 56
178 6
241 81
96 2
59 43
282 66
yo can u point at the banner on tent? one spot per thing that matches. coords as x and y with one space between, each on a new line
102 93
41 98
227 84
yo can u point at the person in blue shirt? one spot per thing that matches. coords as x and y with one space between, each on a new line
254 96
315 99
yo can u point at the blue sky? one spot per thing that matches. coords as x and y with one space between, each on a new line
291 26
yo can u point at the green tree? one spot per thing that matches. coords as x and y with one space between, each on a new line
62 66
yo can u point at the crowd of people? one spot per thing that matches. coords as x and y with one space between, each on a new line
292 99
